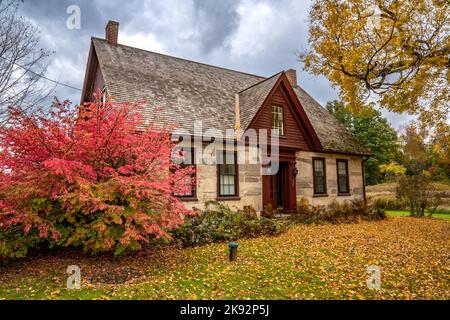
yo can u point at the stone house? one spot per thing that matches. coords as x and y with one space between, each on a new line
317 159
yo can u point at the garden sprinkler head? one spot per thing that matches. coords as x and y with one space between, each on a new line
233 250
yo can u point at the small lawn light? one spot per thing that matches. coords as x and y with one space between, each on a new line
233 250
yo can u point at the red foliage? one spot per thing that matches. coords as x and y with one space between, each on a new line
95 176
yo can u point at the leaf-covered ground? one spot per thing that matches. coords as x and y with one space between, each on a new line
308 262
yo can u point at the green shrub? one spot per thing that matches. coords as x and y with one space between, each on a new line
219 223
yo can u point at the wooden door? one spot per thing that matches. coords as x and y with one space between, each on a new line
279 189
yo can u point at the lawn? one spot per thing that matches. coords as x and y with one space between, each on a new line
401 213
307 262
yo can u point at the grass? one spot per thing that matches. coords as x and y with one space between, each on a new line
307 262
445 215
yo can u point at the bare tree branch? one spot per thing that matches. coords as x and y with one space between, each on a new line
23 63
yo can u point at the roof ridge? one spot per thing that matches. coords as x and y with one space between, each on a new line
259 82
184 59
183 107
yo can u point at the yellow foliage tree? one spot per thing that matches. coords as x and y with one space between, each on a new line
392 170
398 50
440 152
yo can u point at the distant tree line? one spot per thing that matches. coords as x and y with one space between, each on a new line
411 152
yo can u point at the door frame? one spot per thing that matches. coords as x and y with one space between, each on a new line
289 185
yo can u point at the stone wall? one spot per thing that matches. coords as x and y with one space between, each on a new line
250 187
250 182
304 179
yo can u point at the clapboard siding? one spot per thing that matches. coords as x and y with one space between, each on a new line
293 134
95 80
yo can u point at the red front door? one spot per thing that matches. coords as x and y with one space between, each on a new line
279 188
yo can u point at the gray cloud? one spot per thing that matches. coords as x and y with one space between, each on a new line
217 21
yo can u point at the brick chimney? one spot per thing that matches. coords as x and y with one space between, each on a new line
112 32
291 74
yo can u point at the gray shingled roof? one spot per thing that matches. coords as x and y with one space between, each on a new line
332 135
184 91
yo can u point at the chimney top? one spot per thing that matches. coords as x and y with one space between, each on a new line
112 32
291 74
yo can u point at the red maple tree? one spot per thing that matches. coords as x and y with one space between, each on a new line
95 176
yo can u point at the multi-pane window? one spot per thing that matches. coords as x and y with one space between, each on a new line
188 188
320 186
277 120
342 176
227 174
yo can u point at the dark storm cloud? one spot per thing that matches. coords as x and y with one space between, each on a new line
217 21
51 15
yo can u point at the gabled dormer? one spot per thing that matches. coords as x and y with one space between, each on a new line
273 105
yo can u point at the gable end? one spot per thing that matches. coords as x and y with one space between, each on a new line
93 77
299 133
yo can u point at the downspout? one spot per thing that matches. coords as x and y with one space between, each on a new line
364 178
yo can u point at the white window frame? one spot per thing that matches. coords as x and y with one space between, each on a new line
277 120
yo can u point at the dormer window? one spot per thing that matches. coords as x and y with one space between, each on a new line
277 120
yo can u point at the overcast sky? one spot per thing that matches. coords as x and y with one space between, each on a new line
255 36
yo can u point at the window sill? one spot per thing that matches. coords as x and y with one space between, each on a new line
229 198
344 194
320 195
188 199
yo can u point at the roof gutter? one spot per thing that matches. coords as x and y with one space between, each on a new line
345 153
